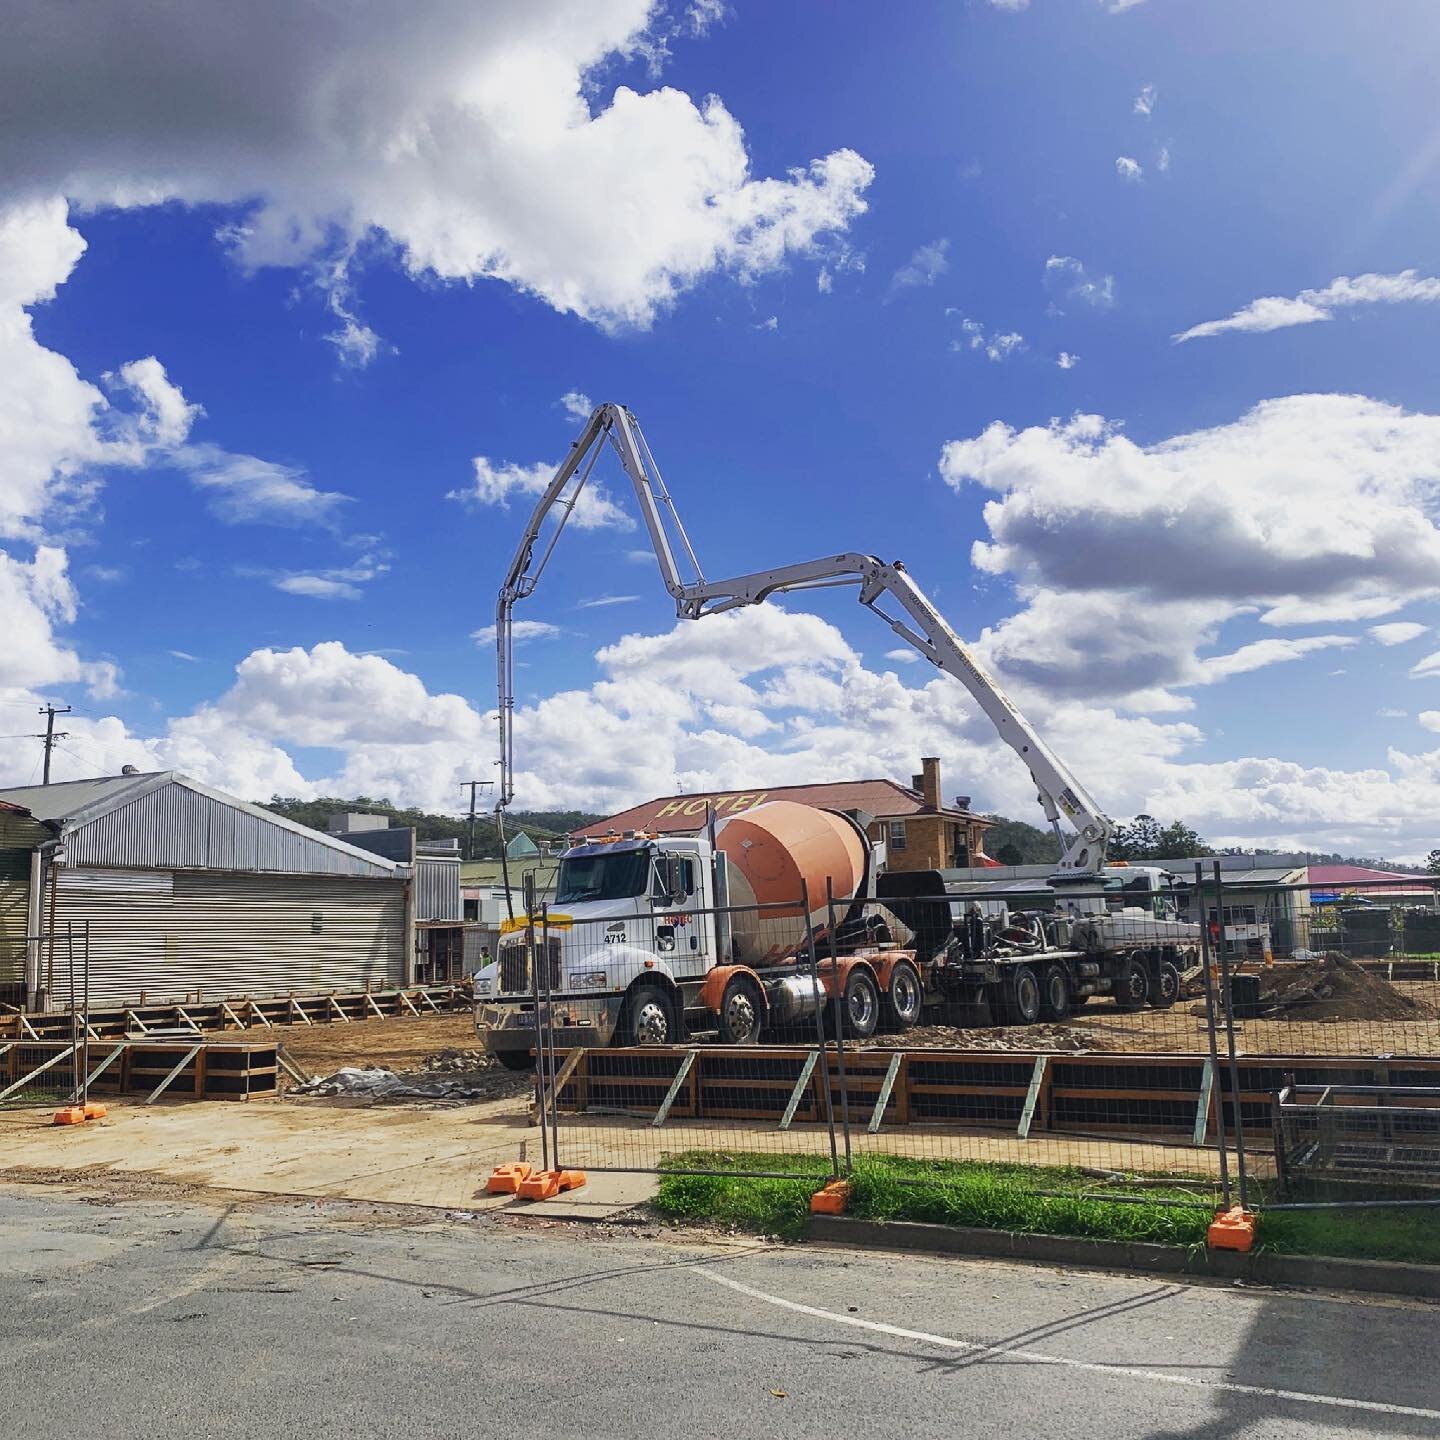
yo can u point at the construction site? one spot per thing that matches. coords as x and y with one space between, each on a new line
757 977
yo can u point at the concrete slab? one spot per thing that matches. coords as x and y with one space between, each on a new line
602 1197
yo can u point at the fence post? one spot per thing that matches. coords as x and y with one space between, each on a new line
529 900
839 1012
820 1031
554 1089
1210 1023
1230 1038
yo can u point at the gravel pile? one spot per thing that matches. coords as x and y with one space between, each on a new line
449 1075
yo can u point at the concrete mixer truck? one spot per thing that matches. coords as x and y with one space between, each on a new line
659 885
653 937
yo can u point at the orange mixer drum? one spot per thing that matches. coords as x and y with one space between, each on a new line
775 849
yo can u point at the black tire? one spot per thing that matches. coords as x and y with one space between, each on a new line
905 999
650 1017
1132 987
742 1012
1055 992
1166 990
860 1004
1022 996
516 1059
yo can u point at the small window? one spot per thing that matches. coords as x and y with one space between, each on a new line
317 922
897 834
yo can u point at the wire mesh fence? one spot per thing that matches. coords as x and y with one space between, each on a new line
1202 1035
53 1072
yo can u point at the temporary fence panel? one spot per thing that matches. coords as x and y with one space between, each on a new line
1142 1051
652 1101
167 935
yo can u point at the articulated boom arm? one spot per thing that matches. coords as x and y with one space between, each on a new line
1060 793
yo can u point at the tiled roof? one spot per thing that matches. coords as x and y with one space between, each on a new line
677 814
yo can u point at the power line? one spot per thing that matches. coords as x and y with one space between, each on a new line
50 737
470 826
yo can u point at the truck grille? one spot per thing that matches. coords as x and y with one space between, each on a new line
515 973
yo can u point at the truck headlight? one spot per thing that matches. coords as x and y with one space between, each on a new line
483 987
588 980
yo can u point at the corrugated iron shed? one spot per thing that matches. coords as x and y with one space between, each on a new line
166 820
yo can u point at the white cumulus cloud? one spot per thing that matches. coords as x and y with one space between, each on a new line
1128 168
924 267
480 141
496 482
1398 632
1278 312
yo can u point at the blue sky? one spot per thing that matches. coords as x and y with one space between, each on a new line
279 589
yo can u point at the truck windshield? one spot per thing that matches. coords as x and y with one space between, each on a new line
603 877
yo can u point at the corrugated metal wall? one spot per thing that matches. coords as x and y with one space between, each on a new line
174 827
167 936
19 835
14 911
437 889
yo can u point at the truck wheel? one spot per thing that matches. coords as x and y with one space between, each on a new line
1132 989
860 1005
742 1012
650 1017
1055 992
1167 986
906 998
516 1059
1022 996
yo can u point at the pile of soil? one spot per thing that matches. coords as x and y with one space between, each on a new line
1070 1038
1335 988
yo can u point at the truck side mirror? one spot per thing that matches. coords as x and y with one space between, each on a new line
675 877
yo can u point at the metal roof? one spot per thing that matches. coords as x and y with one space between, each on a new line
166 820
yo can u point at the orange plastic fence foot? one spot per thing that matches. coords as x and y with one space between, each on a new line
834 1199
546 1184
540 1185
507 1179
69 1115
1232 1229
94 1110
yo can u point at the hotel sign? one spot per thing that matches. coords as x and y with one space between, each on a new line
695 804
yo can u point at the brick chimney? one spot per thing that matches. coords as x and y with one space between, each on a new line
930 780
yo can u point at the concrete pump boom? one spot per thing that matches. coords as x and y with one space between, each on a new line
1060 793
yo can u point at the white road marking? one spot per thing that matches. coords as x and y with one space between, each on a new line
1191 1382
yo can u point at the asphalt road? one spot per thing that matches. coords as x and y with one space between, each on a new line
159 1318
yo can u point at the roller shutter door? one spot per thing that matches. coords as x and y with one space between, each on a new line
166 936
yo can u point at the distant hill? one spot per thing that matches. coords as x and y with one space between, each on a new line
539 825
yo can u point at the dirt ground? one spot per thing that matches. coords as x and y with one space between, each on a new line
404 1045
400 1045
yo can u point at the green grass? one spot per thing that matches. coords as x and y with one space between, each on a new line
1035 1200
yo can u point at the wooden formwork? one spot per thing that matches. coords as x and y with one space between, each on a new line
1025 1093
239 1013
197 1069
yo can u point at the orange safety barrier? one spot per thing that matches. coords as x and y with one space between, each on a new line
834 1199
546 1184
69 1115
507 1179
94 1110
1232 1229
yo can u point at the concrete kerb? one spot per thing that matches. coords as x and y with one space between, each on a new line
1307 1272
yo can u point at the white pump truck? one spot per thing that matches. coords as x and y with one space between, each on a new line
651 937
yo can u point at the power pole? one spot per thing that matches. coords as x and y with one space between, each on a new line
50 737
470 829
